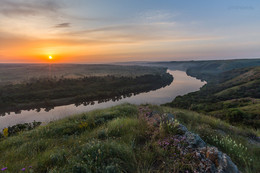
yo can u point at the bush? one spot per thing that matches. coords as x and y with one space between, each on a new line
235 115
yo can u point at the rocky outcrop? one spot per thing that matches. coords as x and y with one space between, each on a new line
211 159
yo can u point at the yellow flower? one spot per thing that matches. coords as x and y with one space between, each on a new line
5 132
83 125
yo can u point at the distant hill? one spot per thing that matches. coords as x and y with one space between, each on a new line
232 92
205 70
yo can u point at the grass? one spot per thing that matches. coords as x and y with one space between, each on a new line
235 141
120 139
226 92
107 140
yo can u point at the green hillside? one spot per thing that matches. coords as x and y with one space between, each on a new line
125 138
232 96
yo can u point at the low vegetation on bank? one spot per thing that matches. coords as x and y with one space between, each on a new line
18 73
123 139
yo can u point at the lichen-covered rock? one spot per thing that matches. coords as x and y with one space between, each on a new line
211 158
194 140
203 158
222 162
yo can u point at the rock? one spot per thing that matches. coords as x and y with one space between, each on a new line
151 114
170 117
212 155
210 158
225 164
183 128
222 162
194 140
167 117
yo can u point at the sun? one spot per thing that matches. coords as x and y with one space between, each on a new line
50 57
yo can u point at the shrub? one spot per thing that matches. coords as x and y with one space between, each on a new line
235 115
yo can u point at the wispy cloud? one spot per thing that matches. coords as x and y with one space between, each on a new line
13 8
63 25
241 7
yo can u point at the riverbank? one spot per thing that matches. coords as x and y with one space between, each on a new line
50 92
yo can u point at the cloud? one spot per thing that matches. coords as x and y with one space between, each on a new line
13 8
63 25
237 7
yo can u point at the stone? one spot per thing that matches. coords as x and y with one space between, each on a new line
170 117
222 162
183 128
194 140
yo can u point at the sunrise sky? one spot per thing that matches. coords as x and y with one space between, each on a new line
93 31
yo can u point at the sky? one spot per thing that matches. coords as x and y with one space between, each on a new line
98 31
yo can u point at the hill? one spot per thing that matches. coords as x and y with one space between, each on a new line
206 70
129 138
232 96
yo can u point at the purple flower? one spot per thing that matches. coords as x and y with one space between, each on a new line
3 169
23 169
29 166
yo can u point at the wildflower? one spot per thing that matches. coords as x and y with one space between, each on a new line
83 125
3 169
5 132
23 169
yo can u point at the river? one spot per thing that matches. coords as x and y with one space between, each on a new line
182 84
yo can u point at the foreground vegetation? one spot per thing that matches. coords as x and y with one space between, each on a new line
240 143
120 139
112 140
50 92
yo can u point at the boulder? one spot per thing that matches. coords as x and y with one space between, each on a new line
194 140
222 162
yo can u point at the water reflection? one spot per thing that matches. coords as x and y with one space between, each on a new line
181 85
